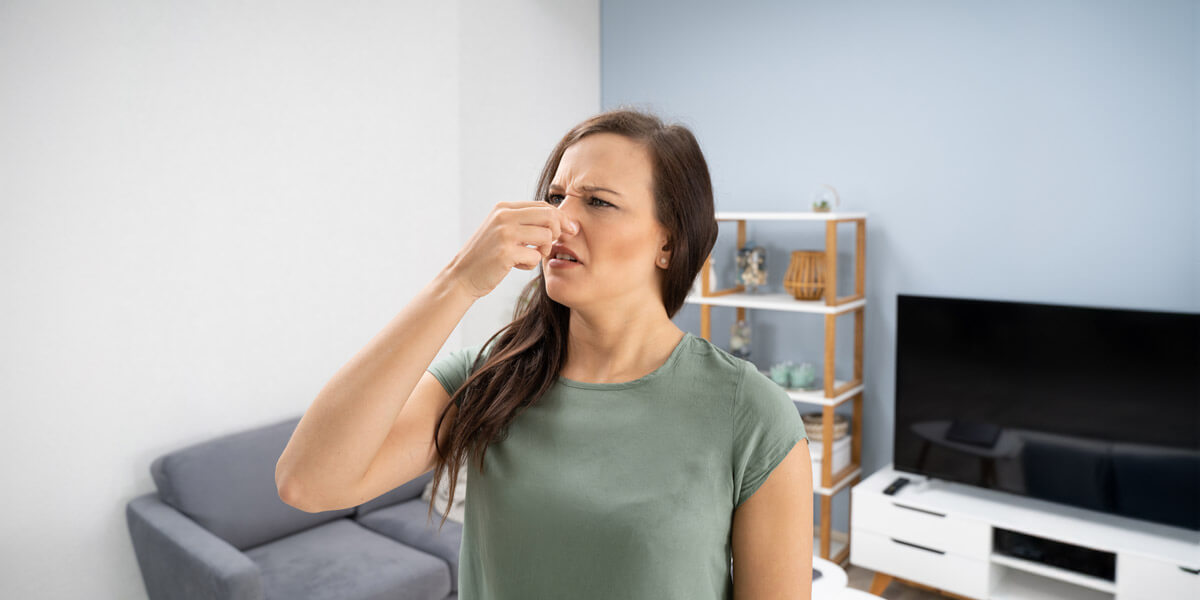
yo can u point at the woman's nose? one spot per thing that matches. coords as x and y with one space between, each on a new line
573 199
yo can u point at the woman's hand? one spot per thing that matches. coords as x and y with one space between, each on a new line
502 242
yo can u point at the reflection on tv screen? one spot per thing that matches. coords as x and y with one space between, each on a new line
1091 407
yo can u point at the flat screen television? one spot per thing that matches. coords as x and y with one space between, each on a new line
1097 408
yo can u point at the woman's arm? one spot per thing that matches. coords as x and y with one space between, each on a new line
342 431
772 533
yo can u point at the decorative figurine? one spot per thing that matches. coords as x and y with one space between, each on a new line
739 339
752 271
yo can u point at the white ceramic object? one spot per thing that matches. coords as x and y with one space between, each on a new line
833 580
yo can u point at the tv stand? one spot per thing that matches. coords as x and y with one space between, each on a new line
970 542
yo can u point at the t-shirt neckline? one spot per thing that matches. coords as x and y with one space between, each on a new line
663 368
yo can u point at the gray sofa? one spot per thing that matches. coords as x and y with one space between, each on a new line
216 529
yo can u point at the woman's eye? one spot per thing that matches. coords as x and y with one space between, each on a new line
556 198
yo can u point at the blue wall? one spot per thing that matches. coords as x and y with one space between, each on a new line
1042 151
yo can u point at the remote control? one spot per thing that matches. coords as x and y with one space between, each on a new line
895 486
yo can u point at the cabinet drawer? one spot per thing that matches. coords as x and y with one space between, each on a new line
942 570
1139 577
956 535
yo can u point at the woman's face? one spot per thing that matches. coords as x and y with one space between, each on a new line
619 241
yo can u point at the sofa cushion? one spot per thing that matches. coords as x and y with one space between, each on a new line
408 491
344 561
227 485
409 523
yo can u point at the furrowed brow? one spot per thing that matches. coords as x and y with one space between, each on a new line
588 188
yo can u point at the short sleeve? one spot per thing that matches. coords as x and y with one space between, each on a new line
453 369
766 426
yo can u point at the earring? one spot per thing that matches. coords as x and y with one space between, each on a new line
662 260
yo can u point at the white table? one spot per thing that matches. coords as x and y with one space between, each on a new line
833 580
832 584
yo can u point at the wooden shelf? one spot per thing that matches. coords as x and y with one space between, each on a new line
777 301
827 544
817 397
839 542
850 474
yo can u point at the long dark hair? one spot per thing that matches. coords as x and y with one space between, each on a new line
526 355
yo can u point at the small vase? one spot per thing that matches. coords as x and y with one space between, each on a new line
805 279
781 373
802 376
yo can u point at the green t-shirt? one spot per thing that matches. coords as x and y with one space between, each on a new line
622 490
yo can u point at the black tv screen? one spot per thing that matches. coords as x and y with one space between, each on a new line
1092 407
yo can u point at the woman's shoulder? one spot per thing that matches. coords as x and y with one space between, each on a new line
705 357
710 359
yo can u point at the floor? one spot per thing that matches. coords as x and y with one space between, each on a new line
860 579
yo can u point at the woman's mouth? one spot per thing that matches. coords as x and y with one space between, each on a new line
560 263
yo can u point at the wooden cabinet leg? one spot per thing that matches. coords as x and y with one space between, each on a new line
880 583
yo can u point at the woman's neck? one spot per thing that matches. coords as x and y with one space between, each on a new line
621 356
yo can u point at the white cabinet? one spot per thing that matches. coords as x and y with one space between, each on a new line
1141 578
941 534
944 532
920 562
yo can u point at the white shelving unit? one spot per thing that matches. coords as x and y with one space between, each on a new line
829 544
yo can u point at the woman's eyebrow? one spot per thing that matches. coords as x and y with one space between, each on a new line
588 188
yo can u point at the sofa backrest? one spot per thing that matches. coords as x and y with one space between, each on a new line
227 485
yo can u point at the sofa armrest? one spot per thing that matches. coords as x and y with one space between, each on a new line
180 559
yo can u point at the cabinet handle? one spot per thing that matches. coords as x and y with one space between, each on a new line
928 512
1190 571
918 547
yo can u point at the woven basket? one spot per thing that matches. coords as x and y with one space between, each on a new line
805 278
813 426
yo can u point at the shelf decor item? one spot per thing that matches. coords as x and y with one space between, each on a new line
790 375
825 198
805 279
781 373
803 376
739 339
752 268
813 425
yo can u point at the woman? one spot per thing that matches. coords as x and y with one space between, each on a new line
612 455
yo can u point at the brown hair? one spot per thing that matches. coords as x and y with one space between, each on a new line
527 354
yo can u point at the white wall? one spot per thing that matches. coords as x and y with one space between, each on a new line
207 207
529 70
